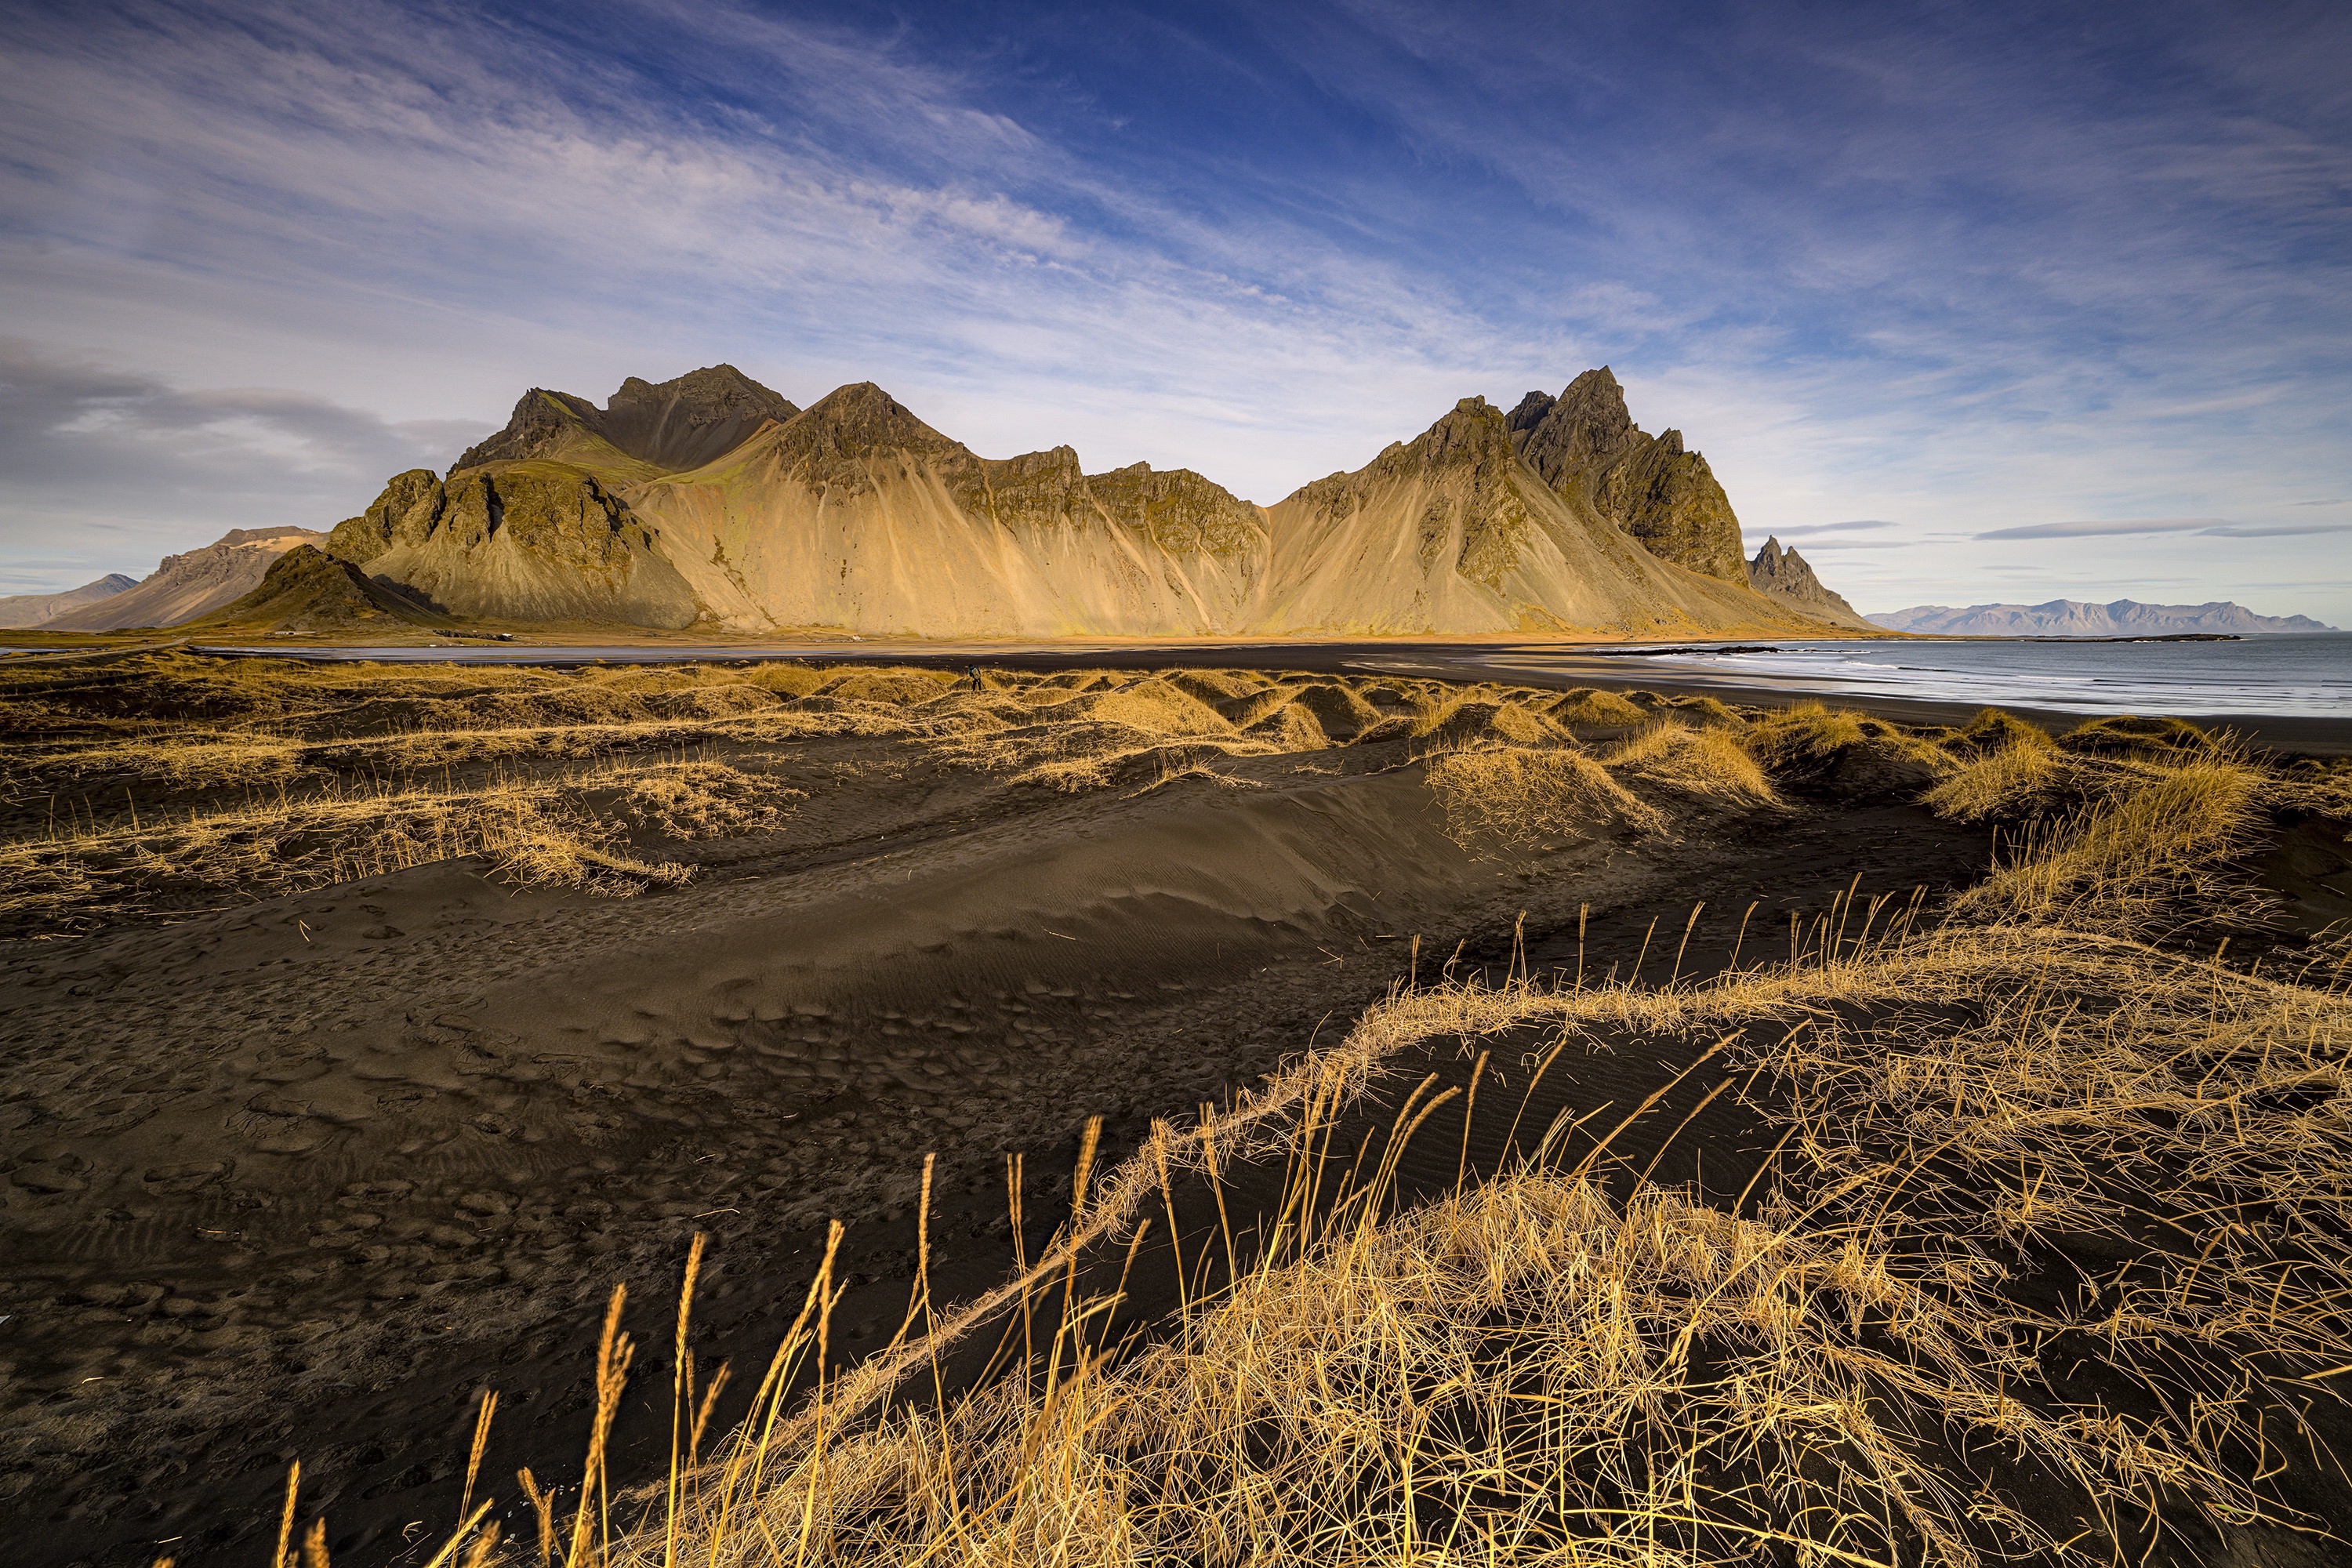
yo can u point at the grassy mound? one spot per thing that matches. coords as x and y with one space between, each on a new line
2051 1262
2038 1273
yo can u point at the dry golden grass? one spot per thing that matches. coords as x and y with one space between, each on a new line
1510 796
534 832
169 782
1537 1369
1596 709
2145 857
704 799
1807 737
1708 765
1483 719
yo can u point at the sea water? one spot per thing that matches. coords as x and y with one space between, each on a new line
2299 675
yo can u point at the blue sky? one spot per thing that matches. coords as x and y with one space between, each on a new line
1969 302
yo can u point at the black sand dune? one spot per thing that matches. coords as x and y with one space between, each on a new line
301 1177
315 1170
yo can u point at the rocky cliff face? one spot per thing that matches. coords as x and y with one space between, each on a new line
854 514
1586 447
307 590
23 611
185 586
1784 575
2076 618
678 424
531 540
1455 532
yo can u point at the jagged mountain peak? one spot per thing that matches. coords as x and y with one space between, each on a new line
1585 445
854 420
718 385
675 426
1587 426
1781 574
1474 432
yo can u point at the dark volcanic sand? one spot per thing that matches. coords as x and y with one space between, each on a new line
302 1178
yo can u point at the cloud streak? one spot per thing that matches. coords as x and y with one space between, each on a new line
110 469
2094 530
1950 267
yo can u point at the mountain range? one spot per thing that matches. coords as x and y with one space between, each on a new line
711 501
2075 618
22 610
185 586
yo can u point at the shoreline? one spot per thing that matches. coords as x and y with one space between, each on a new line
1458 660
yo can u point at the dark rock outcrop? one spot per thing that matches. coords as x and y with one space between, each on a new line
532 541
1177 510
1586 448
307 590
1783 575
676 425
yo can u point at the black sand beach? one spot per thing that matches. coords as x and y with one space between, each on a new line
303 1176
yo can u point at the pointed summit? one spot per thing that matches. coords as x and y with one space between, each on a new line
698 418
675 426
1585 445
1584 428
856 419
1783 575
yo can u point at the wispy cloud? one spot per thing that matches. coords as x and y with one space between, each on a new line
2092 529
2274 531
106 468
1955 265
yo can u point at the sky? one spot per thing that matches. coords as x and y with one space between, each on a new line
1967 301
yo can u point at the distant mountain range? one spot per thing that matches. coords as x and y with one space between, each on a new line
2075 618
183 587
711 501
26 610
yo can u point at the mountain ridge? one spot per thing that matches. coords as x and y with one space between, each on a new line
674 426
2078 618
23 612
191 584
710 500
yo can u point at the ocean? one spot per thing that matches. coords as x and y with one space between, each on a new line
2298 676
